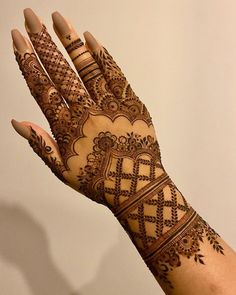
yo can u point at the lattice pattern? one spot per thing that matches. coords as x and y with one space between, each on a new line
65 79
155 216
127 176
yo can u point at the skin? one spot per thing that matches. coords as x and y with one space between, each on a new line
106 148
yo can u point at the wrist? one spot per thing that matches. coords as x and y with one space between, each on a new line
165 228
157 209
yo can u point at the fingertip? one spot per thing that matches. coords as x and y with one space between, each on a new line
55 14
13 122
27 10
62 26
21 129
91 41
33 23
14 31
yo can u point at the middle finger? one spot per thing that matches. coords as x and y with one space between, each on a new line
87 67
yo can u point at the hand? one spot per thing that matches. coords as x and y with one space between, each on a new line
105 145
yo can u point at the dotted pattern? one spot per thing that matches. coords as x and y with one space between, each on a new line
65 79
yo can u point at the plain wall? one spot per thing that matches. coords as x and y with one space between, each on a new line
180 57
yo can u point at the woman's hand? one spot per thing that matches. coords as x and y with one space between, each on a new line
105 145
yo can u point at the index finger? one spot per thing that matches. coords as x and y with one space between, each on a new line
41 87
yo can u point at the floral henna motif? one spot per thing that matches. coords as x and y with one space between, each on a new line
45 152
115 167
67 123
183 242
65 126
109 102
125 173
123 99
164 228
114 76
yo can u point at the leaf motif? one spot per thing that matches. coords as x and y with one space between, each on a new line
198 258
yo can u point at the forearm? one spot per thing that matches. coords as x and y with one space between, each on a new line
183 252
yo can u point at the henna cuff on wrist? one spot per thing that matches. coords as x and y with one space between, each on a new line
143 194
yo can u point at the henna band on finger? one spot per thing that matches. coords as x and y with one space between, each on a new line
74 45
80 54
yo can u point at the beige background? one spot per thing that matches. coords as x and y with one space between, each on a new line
180 57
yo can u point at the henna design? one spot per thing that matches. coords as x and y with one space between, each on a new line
45 152
112 160
103 176
119 86
74 45
59 69
154 213
165 228
114 76
65 126
72 90
184 240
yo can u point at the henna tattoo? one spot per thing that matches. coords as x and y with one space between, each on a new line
66 127
89 70
165 228
105 177
183 240
45 152
125 173
154 215
79 55
72 90
121 89
110 152
114 76
74 45
59 69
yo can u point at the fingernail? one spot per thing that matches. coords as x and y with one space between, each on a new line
91 41
60 24
21 129
33 23
19 41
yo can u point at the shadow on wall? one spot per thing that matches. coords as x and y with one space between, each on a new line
24 243
120 273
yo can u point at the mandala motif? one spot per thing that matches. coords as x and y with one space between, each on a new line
105 142
188 245
117 86
131 106
110 105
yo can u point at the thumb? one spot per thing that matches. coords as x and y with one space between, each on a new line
43 145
